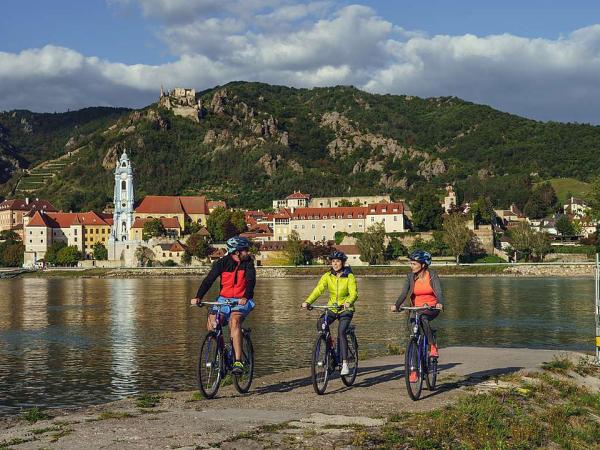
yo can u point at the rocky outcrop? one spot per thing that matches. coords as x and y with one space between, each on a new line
26 126
389 182
157 120
110 159
430 168
269 163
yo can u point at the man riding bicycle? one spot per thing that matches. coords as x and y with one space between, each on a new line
341 283
424 289
238 278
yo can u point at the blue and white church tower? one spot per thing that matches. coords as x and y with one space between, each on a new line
120 247
123 200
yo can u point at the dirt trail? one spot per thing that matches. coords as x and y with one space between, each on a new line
180 420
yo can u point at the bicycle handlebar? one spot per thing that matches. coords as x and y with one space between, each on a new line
417 308
309 307
225 303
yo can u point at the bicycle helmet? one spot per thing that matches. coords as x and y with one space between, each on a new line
420 256
338 255
237 243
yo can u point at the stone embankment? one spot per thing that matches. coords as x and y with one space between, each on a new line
565 270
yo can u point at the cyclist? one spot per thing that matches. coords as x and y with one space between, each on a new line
238 278
424 289
341 284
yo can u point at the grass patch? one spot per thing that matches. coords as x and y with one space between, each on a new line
555 412
105 415
196 397
394 349
34 414
559 364
587 367
61 434
227 380
147 400
45 430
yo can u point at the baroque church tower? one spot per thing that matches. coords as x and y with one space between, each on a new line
123 200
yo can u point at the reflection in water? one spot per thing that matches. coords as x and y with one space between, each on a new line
69 342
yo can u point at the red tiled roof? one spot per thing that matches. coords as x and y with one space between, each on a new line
297 195
65 220
272 246
388 207
177 247
252 235
203 232
167 204
22 205
260 228
216 204
330 213
167 222
348 249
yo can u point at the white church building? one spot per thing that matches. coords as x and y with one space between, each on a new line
120 247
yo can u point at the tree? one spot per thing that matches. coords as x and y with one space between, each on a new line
52 252
594 198
144 255
395 249
293 249
197 246
522 236
371 244
542 201
9 235
482 211
186 259
318 250
11 253
426 212
224 223
564 226
540 245
68 256
457 235
100 252
192 227
153 228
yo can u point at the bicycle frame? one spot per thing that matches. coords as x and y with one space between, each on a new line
334 349
224 349
417 333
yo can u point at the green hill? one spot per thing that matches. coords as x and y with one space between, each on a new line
569 186
250 142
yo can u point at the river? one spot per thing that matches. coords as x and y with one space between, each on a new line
78 341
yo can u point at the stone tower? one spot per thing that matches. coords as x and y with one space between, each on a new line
123 198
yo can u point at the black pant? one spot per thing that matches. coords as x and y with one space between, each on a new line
426 317
344 322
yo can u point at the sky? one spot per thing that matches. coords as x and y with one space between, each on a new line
533 58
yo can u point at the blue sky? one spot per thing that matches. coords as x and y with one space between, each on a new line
534 58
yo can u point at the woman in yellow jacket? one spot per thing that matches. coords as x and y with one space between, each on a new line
341 283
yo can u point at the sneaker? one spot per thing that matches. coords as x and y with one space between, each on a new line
433 351
413 376
238 368
345 369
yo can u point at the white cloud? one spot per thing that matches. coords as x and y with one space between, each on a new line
308 44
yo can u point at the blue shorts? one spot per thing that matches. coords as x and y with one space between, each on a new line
227 310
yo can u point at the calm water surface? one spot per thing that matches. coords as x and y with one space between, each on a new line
73 342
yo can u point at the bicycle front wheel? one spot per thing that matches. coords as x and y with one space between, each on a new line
320 365
243 381
348 380
210 364
432 369
413 374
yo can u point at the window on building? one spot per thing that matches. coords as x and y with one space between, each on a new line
303 226
30 232
324 226
360 225
349 225
30 241
75 231
333 226
41 241
75 239
324 237
395 218
372 219
313 226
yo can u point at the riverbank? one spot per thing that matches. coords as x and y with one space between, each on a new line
464 270
487 398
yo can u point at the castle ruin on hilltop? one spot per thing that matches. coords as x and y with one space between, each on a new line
182 102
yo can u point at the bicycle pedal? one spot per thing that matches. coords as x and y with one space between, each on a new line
320 364
208 365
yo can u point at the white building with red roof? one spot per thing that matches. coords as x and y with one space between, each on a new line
183 208
321 224
81 230
13 211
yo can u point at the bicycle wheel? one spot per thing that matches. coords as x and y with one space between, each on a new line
243 381
348 380
210 363
432 368
320 365
413 364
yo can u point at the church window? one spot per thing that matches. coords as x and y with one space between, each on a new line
123 185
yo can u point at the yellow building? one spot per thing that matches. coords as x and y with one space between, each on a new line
171 227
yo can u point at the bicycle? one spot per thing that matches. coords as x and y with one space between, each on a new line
326 358
216 358
417 357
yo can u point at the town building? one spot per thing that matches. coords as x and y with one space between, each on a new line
81 230
171 225
13 211
576 207
321 224
184 209
449 200
168 251
300 200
